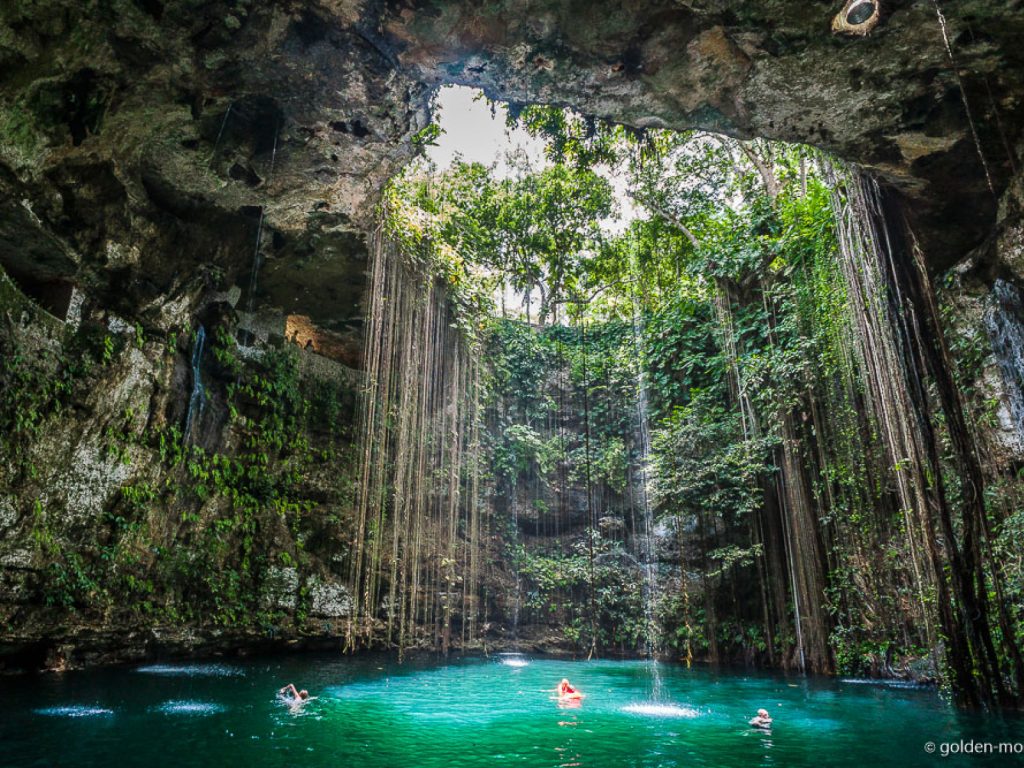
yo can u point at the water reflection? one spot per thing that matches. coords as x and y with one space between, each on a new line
75 710
191 670
189 708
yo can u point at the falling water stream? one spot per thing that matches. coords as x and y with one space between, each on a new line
197 399
648 546
517 601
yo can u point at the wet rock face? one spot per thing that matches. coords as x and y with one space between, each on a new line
1010 231
1004 322
143 143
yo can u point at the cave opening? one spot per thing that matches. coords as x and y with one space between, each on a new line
674 357
598 277
59 297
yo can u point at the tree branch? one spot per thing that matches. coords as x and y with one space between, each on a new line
672 219
771 184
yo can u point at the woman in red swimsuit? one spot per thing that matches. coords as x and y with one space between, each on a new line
566 691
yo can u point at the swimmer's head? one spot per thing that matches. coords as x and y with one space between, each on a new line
305 695
763 713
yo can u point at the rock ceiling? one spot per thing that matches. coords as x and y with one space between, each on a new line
142 141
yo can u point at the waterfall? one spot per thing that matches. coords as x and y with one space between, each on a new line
197 399
416 560
1004 322
588 457
648 545
517 565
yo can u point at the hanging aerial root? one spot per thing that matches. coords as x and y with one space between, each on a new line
416 493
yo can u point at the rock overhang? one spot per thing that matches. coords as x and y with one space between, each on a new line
172 128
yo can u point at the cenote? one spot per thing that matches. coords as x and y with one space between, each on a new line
427 354
484 711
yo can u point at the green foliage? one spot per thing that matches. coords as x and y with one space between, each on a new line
681 353
524 449
557 588
705 321
36 387
532 232
610 463
272 416
21 133
703 463
195 546
428 136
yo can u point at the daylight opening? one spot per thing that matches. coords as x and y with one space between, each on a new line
654 373
621 347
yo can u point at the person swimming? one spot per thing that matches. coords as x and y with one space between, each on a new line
763 720
297 696
566 692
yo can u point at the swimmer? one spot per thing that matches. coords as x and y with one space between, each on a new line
566 691
762 721
297 696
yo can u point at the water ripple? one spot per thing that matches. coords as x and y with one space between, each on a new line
75 710
886 683
189 708
661 710
191 670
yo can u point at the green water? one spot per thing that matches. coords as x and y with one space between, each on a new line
477 712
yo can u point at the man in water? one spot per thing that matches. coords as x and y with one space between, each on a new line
762 721
297 695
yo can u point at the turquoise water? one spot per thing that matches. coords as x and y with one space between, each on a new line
477 712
